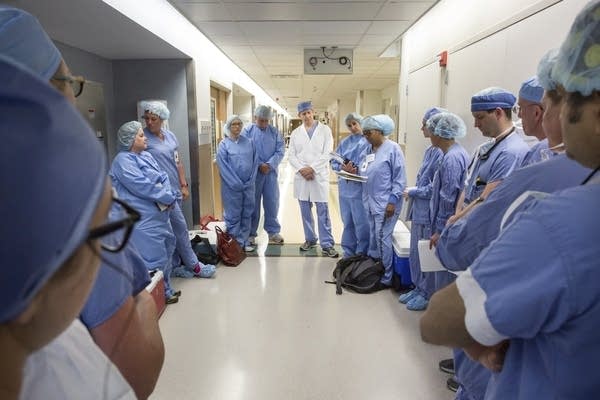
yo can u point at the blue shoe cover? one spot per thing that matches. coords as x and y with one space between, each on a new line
182 272
408 296
418 303
205 271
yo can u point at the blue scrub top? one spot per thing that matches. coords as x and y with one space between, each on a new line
352 147
237 162
421 195
386 177
538 285
500 162
166 154
269 144
447 185
534 155
461 242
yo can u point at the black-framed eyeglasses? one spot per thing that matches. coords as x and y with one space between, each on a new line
115 235
76 82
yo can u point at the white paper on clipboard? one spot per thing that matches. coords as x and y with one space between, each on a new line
427 258
351 177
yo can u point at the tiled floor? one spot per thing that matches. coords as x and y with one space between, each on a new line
272 329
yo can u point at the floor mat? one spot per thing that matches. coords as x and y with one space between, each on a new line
288 250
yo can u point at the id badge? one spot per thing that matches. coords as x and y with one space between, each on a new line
176 156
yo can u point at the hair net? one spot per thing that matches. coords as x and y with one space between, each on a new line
126 134
531 90
23 40
227 127
491 98
156 108
577 66
447 125
380 122
263 112
353 117
51 201
304 106
544 70
431 112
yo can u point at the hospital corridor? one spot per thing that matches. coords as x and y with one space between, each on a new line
299 199
272 329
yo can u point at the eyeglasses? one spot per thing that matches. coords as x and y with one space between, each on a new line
115 235
368 132
517 108
76 82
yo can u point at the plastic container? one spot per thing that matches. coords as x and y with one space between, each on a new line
401 244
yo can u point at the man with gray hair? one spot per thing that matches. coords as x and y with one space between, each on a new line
270 149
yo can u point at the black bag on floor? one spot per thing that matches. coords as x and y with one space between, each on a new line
204 250
360 274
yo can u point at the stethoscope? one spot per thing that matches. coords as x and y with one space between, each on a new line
591 175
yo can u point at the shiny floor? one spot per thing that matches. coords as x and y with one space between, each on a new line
272 329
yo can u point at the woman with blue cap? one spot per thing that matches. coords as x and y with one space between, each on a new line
420 226
383 165
528 307
50 245
139 180
162 144
238 166
355 235
445 127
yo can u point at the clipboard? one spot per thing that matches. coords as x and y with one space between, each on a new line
351 177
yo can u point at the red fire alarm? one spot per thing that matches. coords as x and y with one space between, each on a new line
443 58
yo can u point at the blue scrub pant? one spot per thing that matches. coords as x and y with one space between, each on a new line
267 189
355 236
473 377
424 282
184 253
155 242
380 245
325 236
238 207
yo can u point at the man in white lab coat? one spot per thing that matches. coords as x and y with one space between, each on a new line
309 148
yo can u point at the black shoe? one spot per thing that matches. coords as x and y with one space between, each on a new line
171 300
452 384
447 366
177 293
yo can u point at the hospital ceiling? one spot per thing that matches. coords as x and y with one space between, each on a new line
265 38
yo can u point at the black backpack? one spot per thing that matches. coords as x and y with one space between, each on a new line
360 274
204 250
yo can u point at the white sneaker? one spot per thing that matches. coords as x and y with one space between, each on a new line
249 248
275 238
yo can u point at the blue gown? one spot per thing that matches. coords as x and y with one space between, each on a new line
355 236
238 165
386 180
499 164
447 185
141 183
534 155
537 285
420 227
270 149
462 242
165 152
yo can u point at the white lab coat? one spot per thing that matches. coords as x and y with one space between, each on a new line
313 152
73 367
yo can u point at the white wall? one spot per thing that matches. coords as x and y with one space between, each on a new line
490 43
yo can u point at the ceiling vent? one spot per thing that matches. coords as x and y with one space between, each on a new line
328 61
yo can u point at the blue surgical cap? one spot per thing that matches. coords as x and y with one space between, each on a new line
304 106
263 112
447 125
544 70
126 134
227 127
431 112
49 207
531 90
23 40
380 122
577 67
156 108
353 117
492 98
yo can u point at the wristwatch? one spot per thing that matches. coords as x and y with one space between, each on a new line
184 185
